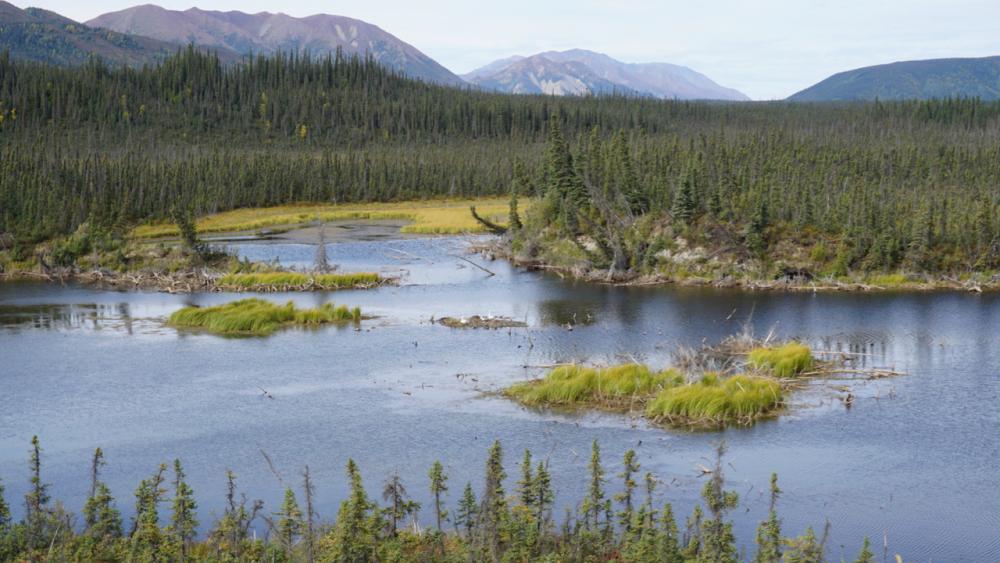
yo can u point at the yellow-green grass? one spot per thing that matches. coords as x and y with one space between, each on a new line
740 399
257 317
430 217
575 385
788 360
889 280
288 281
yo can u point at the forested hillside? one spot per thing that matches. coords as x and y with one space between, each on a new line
39 35
116 146
911 80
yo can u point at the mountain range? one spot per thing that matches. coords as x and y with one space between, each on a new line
267 33
147 34
934 78
43 36
582 72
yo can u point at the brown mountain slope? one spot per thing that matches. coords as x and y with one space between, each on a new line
266 33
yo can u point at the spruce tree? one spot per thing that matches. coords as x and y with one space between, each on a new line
183 520
526 484
718 541
630 466
593 503
4 511
102 520
353 537
37 499
769 532
755 231
400 505
543 496
493 513
684 206
146 535
290 525
670 548
439 486
514 223
468 510
866 555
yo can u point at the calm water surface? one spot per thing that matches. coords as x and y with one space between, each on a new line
915 460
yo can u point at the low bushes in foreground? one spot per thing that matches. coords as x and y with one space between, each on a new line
787 360
258 317
297 281
624 521
716 401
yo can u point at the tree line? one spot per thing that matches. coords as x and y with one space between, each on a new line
503 522
120 145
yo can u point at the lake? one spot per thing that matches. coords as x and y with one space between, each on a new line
913 463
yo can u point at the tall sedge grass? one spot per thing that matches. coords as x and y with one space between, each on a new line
432 217
281 281
576 385
787 360
258 317
713 401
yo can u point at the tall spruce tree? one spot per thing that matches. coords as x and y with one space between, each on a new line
439 486
290 525
183 519
769 531
593 503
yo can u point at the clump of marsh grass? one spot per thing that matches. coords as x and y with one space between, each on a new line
714 401
257 317
297 281
787 360
612 387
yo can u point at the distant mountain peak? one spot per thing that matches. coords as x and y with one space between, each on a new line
267 32
583 72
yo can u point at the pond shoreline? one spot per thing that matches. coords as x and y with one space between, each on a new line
789 284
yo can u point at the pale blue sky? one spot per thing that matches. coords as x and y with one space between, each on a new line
766 48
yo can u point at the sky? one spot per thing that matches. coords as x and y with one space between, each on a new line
767 49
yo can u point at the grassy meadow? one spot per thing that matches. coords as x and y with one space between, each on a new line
426 217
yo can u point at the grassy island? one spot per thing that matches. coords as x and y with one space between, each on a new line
297 281
257 317
612 387
753 386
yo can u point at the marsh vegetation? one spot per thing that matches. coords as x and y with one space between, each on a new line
280 281
752 384
257 317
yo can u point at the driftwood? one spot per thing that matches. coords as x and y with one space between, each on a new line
489 225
